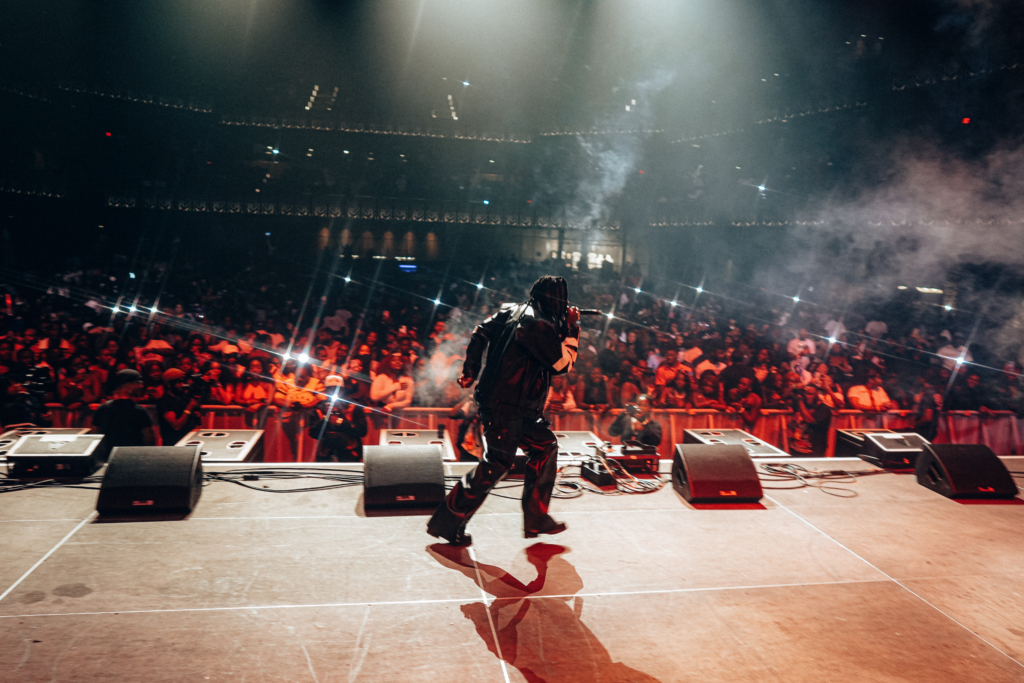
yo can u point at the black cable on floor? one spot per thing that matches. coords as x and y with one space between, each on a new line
241 477
804 478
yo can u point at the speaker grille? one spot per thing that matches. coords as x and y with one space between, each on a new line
715 474
964 471
402 476
151 479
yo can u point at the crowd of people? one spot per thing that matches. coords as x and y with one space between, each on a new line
384 345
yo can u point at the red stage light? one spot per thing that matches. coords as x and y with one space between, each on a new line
108 135
965 121
641 171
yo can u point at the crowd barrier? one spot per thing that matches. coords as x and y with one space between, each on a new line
286 437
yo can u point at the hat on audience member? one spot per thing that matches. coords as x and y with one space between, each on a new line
173 374
333 381
228 350
126 376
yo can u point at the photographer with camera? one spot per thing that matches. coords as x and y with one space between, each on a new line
636 423
176 409
337 423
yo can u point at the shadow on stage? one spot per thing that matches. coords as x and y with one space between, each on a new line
538 624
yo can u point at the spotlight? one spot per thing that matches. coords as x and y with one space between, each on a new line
674 303
486 202
303 357
267 234
277 151
636 289
610 315
796 299
131 276
437 302
761 187
132 309
700 290
831 340
348 279
948 307
466 83
479 285
116 309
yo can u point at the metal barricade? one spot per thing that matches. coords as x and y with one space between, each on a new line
286 437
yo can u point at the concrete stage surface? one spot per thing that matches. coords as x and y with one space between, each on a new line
895 584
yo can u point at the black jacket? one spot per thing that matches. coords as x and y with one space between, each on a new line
525 349
342 424
650 435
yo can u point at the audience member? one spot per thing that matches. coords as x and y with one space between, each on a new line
813 418
338 424
637 423
393 388
176 409
121 419
870 396
592 393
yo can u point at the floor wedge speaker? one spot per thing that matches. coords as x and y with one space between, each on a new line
964 471
151 479
715 474
402 477
892 451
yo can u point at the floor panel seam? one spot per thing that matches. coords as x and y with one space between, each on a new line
899 583
440 601
44 557
490 619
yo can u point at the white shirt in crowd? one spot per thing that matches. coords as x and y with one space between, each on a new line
862 398
706 365
835 328
876 328
951 353
338 320
392 393
690 355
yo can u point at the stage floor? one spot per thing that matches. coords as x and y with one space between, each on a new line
896 584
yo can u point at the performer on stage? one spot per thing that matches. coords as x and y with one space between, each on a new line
527 344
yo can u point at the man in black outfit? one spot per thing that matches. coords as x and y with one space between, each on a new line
121 420
636 423
527 343
176 409
338 423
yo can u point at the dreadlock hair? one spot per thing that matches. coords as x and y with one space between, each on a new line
551 294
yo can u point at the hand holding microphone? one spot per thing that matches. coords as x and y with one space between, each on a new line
572 316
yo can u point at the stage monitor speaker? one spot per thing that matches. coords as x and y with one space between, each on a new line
55 456
226 445
715 474
402 477
892 451
852 443
15 432
964 471
151 479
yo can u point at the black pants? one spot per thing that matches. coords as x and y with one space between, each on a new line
502 436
